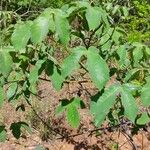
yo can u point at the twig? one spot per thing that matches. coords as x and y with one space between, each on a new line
129 139
91 36
90 132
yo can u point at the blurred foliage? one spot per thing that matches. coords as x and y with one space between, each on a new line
34 4
138 22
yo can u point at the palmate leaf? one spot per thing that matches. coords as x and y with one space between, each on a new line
97 68
129 103
71 63
5 63
104 103
39 29
73 116
93 17
21 36
62 28
145 93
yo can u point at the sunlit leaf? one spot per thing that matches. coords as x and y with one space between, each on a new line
21 36
73 116
39 29
129 104
104 103
145 93
144 119
71 63
93 17
5 63
97 68
62 28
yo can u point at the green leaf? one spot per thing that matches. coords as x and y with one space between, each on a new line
39 29
1 96
54 73
104 103
71 63
144 119
93 17
97 68
116 36
145 94
48 12
129 103
3 134
137 53
62 28
57 79
123 55
34 73
73 116
21 36
5 63
12 90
